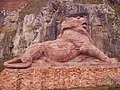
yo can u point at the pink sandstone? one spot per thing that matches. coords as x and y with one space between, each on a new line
37 78
11 5
74 43
70 61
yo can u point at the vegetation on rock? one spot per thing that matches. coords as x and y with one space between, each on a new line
33 6
89 1
1 65
115 5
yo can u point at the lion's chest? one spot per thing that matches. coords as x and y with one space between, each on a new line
59 50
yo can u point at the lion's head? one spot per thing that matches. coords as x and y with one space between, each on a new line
74 22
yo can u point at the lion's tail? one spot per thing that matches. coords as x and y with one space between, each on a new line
16 64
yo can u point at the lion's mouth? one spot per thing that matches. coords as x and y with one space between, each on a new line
84 25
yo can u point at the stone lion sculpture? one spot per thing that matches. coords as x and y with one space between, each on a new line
72 41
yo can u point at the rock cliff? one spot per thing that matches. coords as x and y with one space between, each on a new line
36 21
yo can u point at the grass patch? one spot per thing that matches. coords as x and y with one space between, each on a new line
115 5
2 29
117 9
5 30
33 6
89 1
1 65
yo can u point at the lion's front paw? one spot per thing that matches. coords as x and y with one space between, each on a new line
113 61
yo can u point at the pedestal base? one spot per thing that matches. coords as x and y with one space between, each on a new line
37 78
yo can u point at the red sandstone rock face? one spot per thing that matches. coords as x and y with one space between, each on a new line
37 78
11 5
73 41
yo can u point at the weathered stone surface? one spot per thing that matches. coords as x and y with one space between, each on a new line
72 44
12 4
36 78
103 26
7 33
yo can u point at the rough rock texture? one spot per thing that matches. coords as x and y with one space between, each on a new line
7 33
72 44
18 31
37 78
44 24
12 4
